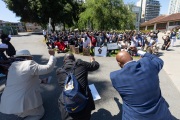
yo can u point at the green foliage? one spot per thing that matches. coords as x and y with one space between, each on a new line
97 14
39 11
107 15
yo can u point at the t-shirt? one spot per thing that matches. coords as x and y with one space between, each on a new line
166 41
86 42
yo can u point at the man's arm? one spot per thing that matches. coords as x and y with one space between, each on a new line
91 66
157 61
37 69
88 35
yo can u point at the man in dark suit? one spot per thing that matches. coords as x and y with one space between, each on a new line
138 85
81 74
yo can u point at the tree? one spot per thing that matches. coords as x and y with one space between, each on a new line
106 15
39 11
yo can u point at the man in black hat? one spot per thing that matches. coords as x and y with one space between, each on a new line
81 74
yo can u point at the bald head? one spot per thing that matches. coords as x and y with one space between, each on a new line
69 56
122 58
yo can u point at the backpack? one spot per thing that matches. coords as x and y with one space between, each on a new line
74 100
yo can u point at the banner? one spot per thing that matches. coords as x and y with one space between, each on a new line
65 42
72 48
86 51
94 92
76 50
112 46
100 51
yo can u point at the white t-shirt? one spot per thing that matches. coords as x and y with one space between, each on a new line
85 43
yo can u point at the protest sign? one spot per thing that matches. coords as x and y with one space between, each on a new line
94 92
76 50
66 42
101 51
86 51
72 48
112 46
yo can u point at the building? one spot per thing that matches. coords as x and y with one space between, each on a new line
164 22
19 26
137 11
174 6
12 27
33 27
150 9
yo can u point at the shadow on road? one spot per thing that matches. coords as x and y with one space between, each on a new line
50 92
160 54
103 114
177 46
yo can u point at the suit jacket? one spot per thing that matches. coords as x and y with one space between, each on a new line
138 85
22 88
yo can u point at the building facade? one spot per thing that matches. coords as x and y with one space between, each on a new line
12 27
33 27
163 23
150 9
174 6
137 11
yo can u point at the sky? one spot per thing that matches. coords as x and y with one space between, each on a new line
7 15
164 5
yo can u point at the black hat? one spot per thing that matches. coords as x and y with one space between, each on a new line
69 56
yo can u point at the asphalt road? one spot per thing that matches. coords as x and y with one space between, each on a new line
109 107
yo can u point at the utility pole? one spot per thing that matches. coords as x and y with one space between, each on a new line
141 10
49 25
140 14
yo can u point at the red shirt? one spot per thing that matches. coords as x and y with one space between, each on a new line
61 45
93 40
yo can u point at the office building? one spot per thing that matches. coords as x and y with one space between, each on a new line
174 7
137 11
150 9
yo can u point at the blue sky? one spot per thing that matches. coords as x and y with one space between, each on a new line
7 15
164 5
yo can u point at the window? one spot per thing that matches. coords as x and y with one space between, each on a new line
161 26
174 23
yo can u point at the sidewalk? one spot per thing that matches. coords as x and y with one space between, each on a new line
171 61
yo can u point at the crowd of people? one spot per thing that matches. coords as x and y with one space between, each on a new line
129 40
139 89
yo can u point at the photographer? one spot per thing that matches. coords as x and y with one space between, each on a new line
167 43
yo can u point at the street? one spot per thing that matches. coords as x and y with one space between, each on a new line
109 107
